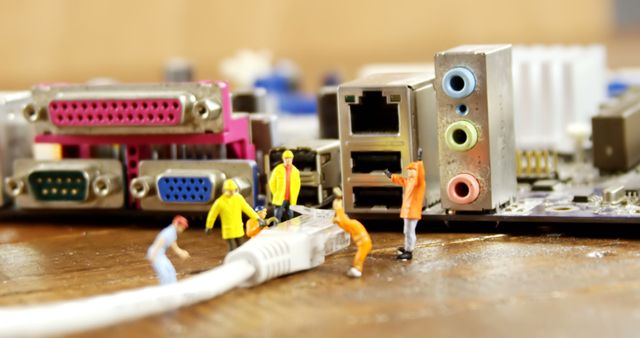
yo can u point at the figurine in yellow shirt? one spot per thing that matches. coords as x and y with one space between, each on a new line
358 233
230 207
284 185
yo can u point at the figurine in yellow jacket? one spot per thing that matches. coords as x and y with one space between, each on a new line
284 184
358 233
230 207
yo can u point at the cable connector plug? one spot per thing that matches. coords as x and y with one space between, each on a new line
295 245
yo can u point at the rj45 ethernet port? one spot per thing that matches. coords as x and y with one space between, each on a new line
370 197
365 162
372 114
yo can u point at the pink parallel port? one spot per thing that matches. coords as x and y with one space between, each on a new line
136 112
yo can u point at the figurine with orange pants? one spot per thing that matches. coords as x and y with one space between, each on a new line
156 254
284 185
230 207
253 225
358 233
412 202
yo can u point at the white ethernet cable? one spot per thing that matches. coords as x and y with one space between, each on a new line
299 244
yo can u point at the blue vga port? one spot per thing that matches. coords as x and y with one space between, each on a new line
185 189
190 185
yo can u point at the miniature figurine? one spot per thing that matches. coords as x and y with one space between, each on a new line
156 254
284 184
254 228
358 233
230 207
412 202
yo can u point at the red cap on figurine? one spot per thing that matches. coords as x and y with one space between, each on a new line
179 220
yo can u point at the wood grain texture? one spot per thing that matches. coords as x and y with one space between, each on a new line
459 284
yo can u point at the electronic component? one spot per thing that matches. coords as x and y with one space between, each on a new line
250 101
580 199
380 119
264 137
545 185
16 135
124 109
613 195
2 198
186 185
556 87
533 165
178 70
319 164
66 184
475 127
328 112
263 133
616 142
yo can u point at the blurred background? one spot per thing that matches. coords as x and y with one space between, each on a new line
73 41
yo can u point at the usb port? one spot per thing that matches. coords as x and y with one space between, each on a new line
364 162
370 197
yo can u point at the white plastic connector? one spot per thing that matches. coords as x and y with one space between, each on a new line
296 245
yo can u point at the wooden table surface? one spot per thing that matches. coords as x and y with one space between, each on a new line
459 284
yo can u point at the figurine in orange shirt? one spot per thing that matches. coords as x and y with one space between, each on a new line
412 202
253 225
358 233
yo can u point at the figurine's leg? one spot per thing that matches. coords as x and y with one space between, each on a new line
165 271
286 212
289 213
410 234
279 210
233 243
171 272
364 247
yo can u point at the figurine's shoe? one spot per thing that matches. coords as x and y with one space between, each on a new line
354 273
401 250
405 256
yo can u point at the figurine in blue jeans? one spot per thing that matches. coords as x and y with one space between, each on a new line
156 254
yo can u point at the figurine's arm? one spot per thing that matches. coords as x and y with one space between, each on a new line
399 180
272 181
212 216
421 172
180 252
340 218
248 210
295 187
396 179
